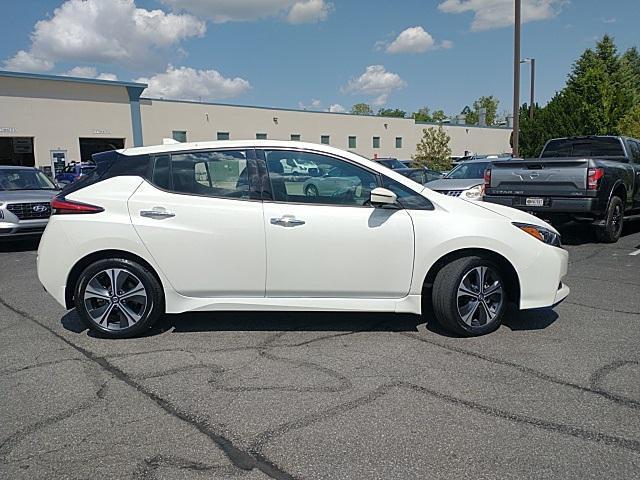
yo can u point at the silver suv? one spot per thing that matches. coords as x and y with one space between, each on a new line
25 196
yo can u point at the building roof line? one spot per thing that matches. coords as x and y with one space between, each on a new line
282 109
63 78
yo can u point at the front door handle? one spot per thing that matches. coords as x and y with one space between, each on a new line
157 213
287 221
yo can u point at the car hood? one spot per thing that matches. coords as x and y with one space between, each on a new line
514 215
454 184
25 196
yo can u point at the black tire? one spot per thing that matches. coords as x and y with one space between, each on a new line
112 325
311 191
447 306
614 219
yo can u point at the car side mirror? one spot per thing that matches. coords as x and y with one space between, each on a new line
383 196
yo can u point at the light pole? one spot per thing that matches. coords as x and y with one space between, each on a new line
516 78
532 62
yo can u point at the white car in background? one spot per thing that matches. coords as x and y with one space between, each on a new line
466 180
150 234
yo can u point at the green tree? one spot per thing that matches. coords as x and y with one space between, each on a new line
490 104
388 112
439 116
600 98
422 115
630 123
362 109
433 151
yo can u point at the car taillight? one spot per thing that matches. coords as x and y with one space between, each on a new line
62 206
487 179
594 176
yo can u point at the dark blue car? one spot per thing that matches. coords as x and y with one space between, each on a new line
74 171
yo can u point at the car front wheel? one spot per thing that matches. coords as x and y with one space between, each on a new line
469 296
118 298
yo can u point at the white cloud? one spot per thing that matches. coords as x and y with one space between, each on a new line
314 105
375 81
105 31
412 40
490 14
89 72
309 11
185 83
337 108
220 11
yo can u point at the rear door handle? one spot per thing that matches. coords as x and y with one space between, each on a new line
157 213
287 221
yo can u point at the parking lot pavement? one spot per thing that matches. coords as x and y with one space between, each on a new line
552 394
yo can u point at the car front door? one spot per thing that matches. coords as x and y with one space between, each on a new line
202 222
334 245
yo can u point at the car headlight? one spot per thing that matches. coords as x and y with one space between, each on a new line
473 193
543 234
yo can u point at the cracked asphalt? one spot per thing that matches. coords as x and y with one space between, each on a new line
551 394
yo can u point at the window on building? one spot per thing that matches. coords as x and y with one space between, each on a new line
261 136
295 137
179 136
214 174
336 182
352 142
398 142
325 139
376 142
223 135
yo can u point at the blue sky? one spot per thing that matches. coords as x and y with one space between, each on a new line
313 53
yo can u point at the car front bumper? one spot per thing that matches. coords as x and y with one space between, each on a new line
541 283
22 228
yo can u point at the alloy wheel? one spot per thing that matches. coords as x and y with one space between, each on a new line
115 299
480 296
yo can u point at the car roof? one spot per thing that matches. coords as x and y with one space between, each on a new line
17 167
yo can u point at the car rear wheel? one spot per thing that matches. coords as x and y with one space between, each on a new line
613 219
118 298
469 296
311 191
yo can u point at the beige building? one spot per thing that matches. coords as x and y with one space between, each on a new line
48 120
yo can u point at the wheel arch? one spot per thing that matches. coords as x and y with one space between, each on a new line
619 190
87 260
512 280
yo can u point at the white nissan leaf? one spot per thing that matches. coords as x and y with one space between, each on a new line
219 226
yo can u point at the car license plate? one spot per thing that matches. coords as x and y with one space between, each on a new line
534 202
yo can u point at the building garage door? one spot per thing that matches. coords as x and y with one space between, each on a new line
89 146
17 151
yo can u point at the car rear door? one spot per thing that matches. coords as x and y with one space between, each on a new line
334 245
202 221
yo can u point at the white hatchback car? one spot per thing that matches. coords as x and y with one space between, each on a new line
218 226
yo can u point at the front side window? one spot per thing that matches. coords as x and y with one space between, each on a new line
213 174
635 151
407 198
332 181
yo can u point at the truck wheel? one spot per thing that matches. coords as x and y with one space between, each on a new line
469 296
614 219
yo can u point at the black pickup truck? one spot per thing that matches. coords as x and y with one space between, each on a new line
595 179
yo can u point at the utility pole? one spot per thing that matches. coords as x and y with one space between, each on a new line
532 62
516 78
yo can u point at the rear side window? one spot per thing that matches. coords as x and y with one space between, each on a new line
583 147
161 175
213 174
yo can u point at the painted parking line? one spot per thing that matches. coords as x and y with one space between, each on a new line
633 254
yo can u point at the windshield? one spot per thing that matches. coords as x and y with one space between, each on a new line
24 179
468 170
393 163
